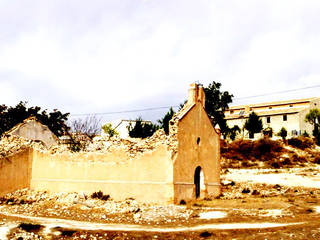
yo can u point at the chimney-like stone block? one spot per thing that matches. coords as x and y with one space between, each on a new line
201 95
193 94
196 94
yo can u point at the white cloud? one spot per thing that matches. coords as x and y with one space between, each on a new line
109 55
8 94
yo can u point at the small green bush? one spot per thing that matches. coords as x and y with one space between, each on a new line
109 130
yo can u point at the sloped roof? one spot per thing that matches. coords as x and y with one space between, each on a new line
186 108
130 121
284 102
268 112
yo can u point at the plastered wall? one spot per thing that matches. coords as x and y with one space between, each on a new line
198 146
35 131
147 177
15 171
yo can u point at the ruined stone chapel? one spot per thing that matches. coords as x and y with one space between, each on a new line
182 166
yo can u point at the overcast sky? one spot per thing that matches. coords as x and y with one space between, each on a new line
103 56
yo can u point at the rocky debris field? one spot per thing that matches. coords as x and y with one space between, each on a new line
240 202
96 208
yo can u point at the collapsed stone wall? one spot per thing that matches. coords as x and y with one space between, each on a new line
138 168
10 145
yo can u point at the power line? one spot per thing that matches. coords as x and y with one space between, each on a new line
125 111
158 108
268 94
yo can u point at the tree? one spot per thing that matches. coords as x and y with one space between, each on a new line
109 130
216 103
232 132
11 116
305 134
82 132
313 117
164 122
89 126
268 132
283 133
253 124
181 105
142 129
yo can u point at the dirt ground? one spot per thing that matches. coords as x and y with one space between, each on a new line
255 204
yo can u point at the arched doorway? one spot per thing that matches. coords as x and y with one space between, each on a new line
198 181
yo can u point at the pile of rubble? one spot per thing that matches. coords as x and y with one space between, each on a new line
10 145
102 144
132 146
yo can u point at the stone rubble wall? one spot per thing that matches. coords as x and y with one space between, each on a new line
137 168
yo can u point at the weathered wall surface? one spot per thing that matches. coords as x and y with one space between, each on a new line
147 177
199 145
35 131
277 122
15 171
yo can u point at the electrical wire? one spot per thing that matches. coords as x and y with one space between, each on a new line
268 94
158 108
125 111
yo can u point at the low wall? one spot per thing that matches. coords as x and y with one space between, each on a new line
15 171
147 177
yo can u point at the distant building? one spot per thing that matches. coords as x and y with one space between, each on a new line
289 114
121 126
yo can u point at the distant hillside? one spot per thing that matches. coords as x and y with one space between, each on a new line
267 153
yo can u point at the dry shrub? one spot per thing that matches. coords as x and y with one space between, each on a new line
236 150
298 159
263 149
316 157
223 146
30 227
317 160
267 153
301 142
247 153
267 149
100 195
